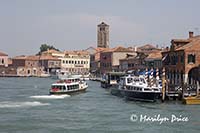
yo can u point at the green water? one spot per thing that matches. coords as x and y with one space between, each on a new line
26 107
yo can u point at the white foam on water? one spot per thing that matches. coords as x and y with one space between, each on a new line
10 104
50 96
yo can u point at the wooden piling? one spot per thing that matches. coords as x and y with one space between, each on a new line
163 85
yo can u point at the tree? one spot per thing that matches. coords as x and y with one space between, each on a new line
45 47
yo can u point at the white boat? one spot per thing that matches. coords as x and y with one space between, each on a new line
111 79
44 75
68 86
137 88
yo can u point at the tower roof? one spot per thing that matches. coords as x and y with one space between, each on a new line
103 24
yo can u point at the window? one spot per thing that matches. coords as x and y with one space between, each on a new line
29 71
176 59
182 58
34 71
2 61
63 62
66 61
191 58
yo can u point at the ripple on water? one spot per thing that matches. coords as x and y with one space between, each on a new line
50 96
10 104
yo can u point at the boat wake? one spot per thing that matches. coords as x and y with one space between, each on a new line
10 104
50 96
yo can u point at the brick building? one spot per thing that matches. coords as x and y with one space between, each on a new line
182 60
95 59
131 63
154 60
110 59
27 65
50 63
147 56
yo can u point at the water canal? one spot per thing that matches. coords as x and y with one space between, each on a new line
26 107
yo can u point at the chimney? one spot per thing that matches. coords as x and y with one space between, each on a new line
191 34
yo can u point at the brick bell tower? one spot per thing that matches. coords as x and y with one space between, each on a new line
103 35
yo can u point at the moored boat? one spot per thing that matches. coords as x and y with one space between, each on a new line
137 88
191 100
111 79
68 86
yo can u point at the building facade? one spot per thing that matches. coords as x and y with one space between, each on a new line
27 66
135 63
110 59
182 60
3 59
147 56
154 60
95 60
76 62
50 63
103 35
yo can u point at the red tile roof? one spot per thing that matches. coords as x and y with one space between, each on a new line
23 57
48 57
155 55
180 40
20 57
193 44
51 51
82 52
118 49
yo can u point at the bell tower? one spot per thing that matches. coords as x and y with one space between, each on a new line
103 35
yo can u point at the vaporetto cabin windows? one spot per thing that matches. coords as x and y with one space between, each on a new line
62 87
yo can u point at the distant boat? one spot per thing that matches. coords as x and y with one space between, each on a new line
68 86
45 75
111 79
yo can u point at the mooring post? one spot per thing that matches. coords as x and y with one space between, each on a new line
163 85
157 77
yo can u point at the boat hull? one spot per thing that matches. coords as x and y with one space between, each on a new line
191 100
141 96
116 92
67 92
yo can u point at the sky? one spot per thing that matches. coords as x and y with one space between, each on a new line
72 24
